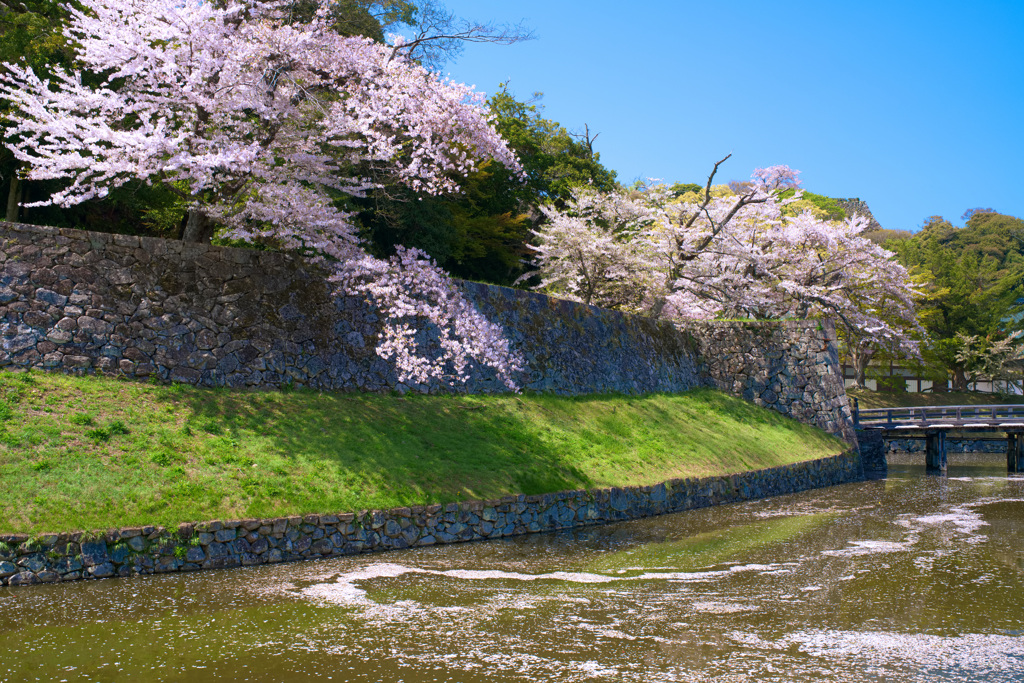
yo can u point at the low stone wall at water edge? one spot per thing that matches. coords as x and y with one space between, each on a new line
85 302
49 558
953 445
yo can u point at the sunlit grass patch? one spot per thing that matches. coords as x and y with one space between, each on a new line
93 452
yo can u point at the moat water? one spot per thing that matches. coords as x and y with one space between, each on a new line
911 578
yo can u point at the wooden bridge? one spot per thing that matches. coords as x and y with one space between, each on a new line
933 423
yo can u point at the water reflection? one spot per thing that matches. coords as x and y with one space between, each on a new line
910 578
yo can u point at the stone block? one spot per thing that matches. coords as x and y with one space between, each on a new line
48 576
23 579
322 547
102 571
216 550
119 553
50 296
67 565
224 535
94 553
138 543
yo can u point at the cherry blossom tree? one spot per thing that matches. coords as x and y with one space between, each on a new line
988 358
591 252
728 255
260 123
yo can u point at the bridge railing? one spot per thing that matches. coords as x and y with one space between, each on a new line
935 415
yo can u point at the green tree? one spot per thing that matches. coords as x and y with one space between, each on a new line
975 276
369 18
554 160
483 233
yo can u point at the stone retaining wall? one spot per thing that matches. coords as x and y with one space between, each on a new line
953 445
791 367
82 302
49 558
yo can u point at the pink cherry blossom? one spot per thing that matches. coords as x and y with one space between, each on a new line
259 124
734 256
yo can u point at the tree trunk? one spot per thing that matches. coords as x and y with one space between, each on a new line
13 197
959 380
198 227
860 359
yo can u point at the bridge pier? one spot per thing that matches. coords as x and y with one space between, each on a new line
1014 452
935 452
871 444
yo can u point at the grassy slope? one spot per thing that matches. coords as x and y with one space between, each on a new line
883 399
96 452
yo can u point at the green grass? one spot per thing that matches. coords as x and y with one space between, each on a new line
94 452
886 399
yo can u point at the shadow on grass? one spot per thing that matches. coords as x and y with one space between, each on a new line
399 451
370 450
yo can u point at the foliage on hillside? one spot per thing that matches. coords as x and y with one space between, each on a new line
884 235
820 206
975 282
482 234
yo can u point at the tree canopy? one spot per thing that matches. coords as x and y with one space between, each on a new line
483 233
262 120
974 279
731 251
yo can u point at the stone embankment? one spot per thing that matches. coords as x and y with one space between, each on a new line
790 366
49 558
85 302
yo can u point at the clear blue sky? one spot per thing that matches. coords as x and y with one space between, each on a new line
915 107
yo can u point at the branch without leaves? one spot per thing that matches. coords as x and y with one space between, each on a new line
748 198
439 35
587 139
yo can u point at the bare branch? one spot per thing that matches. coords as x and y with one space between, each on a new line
439 35
748 198
587 138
